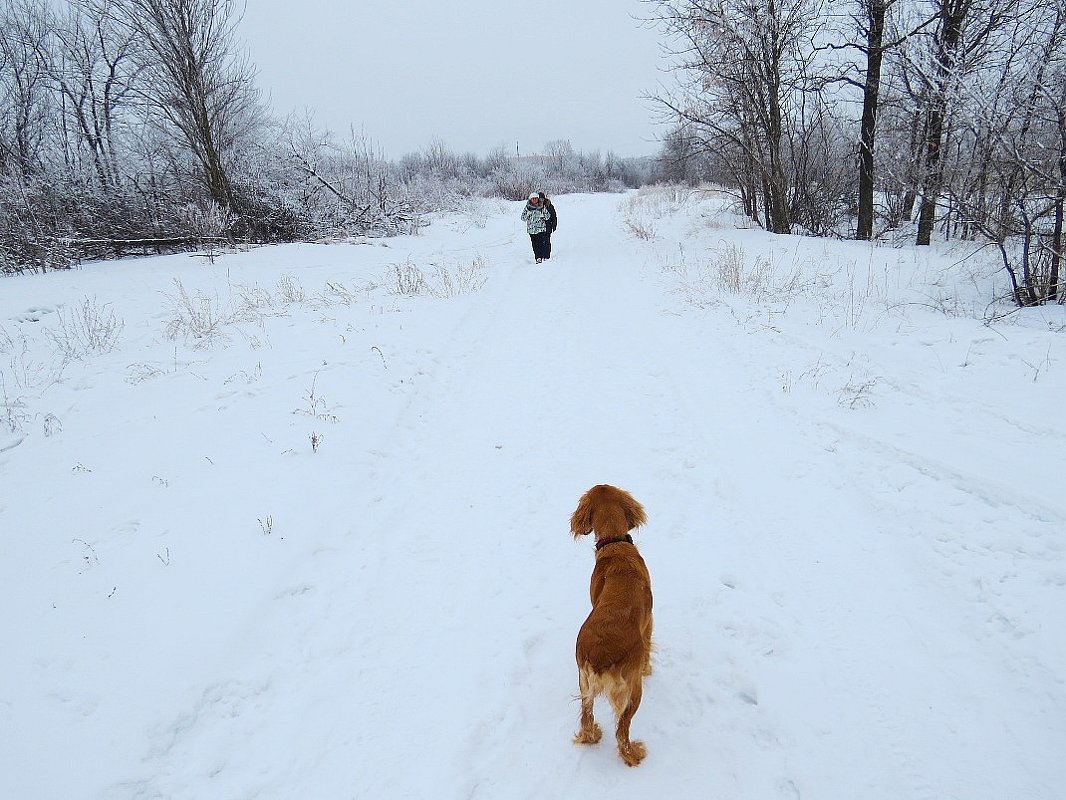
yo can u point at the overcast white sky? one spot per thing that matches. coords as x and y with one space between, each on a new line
474 73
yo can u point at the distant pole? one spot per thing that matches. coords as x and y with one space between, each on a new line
517 150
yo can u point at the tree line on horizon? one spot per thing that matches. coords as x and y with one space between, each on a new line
137 126
131 126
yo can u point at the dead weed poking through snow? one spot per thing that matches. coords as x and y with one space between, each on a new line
410 280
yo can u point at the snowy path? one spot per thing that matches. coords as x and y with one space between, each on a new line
844 608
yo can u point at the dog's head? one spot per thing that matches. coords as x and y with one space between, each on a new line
607 511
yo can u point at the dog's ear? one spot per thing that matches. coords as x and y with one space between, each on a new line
635 516
581 519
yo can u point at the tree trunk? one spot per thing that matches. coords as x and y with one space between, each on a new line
752 180
867 134
933 174
952 14
780 221
907 210
1060 201
767 203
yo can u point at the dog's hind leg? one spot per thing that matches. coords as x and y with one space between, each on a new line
590 731
626 700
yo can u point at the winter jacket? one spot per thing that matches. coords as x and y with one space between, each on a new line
553 218
536 218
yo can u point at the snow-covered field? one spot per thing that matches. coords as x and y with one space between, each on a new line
294 523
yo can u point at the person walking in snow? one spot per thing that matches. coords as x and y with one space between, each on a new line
553 221
536 217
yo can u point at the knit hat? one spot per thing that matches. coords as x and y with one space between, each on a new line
534 196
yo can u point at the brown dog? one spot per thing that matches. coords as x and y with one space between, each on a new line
614 644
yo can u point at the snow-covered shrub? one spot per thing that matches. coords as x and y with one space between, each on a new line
407 280
200 320
464 279
87 328
291 290
737 276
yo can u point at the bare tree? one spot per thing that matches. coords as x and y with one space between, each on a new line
744 64
92 67
876 38
24 98
1058 100
956 46
197 78
1016 126
872 26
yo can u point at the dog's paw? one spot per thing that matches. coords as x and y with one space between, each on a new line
589 735
632 754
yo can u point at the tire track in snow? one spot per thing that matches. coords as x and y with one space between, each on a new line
993 494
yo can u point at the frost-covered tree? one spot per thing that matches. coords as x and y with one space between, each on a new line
940 60
24 98
91 64
870 33
743 67
1010 183
195 75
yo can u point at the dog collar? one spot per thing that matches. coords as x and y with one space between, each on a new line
627 538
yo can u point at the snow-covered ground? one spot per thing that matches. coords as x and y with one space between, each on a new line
293 523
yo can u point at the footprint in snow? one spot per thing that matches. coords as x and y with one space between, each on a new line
34 314
748 697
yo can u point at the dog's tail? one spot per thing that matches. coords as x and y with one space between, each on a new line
618 689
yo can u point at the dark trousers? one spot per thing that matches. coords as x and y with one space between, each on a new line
542 244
